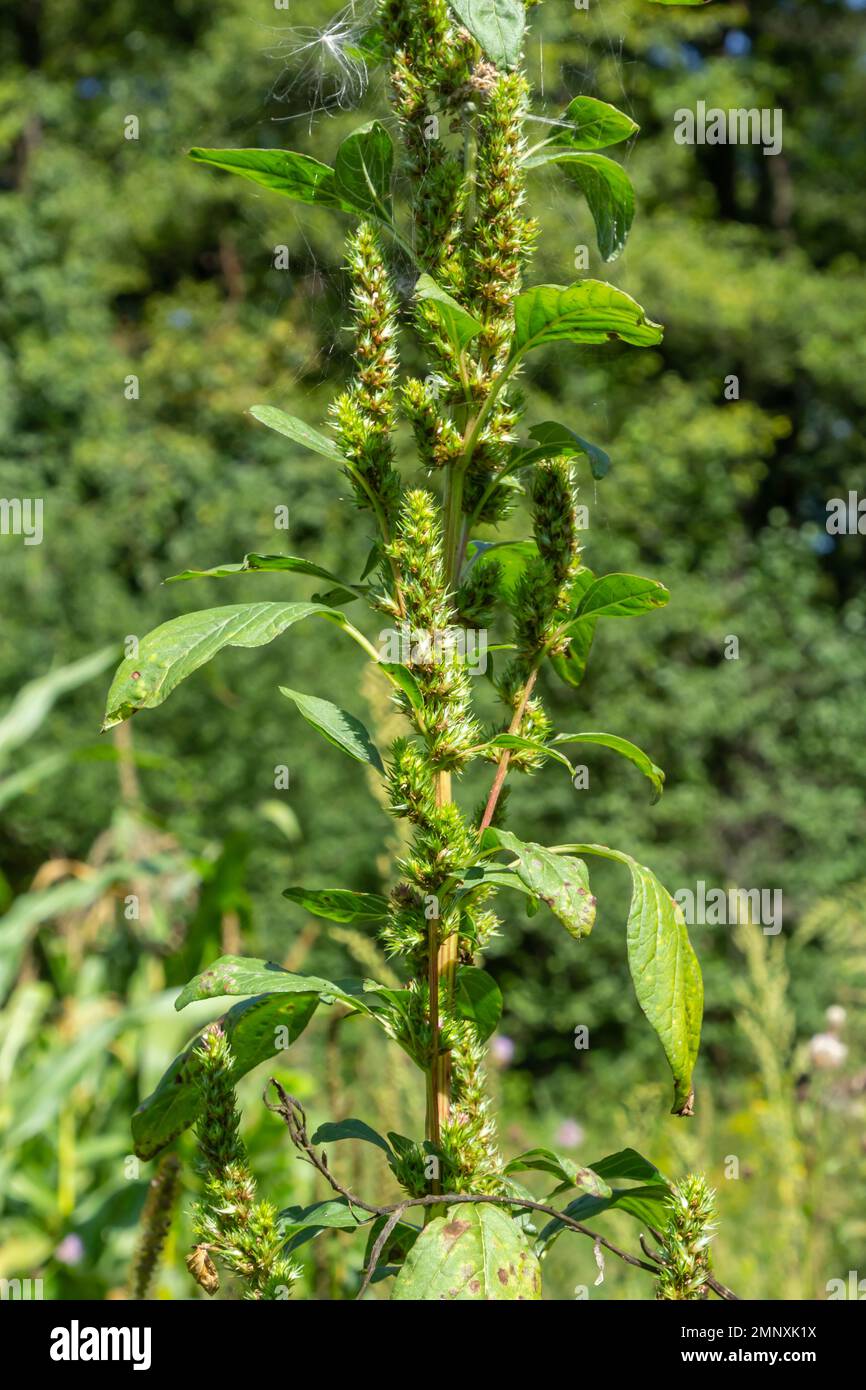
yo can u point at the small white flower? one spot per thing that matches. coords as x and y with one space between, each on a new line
826 1051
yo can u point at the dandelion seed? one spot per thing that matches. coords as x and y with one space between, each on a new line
328 66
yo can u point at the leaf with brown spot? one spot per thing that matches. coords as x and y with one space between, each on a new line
561 882
476 1252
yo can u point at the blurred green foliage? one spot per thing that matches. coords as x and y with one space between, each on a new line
120 260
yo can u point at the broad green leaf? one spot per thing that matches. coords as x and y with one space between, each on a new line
265 563
396 1247
459 326
256 1029
559 439
667 978
337 726
561 883
363 169
512 556
297 176
571 667
531 745
172 651
628 1163
607 189
476 1253
490 876
245 975
478 999
567 1173
649 1206
302 1224
332 1131
401 677
679 2
298 430
619 596
339 904
588 311
664 970
626 749
498 26
590 124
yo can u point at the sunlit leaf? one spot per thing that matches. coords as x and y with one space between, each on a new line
298 430
172 651
459 326
476 1253
607 189
588 311
498 26
256 1029
339 727
559 881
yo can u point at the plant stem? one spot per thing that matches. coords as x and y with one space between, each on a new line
502 769
442 958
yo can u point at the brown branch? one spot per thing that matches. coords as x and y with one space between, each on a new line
502 769
292 1113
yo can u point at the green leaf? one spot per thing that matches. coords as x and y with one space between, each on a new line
265 563
498 26
459 325
245 975
560 440
619 596
628 1163
363 169
561 883
664 970
339 904
478 999
667 978
587 312
476 1253
649 1205
337 726
396 1247
172 651
253 1030
302 1224
331 1132
513 557
401 677
568 1173
626 749
589 124
298 430
531 745
571 667
607 189
296 176
490 876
